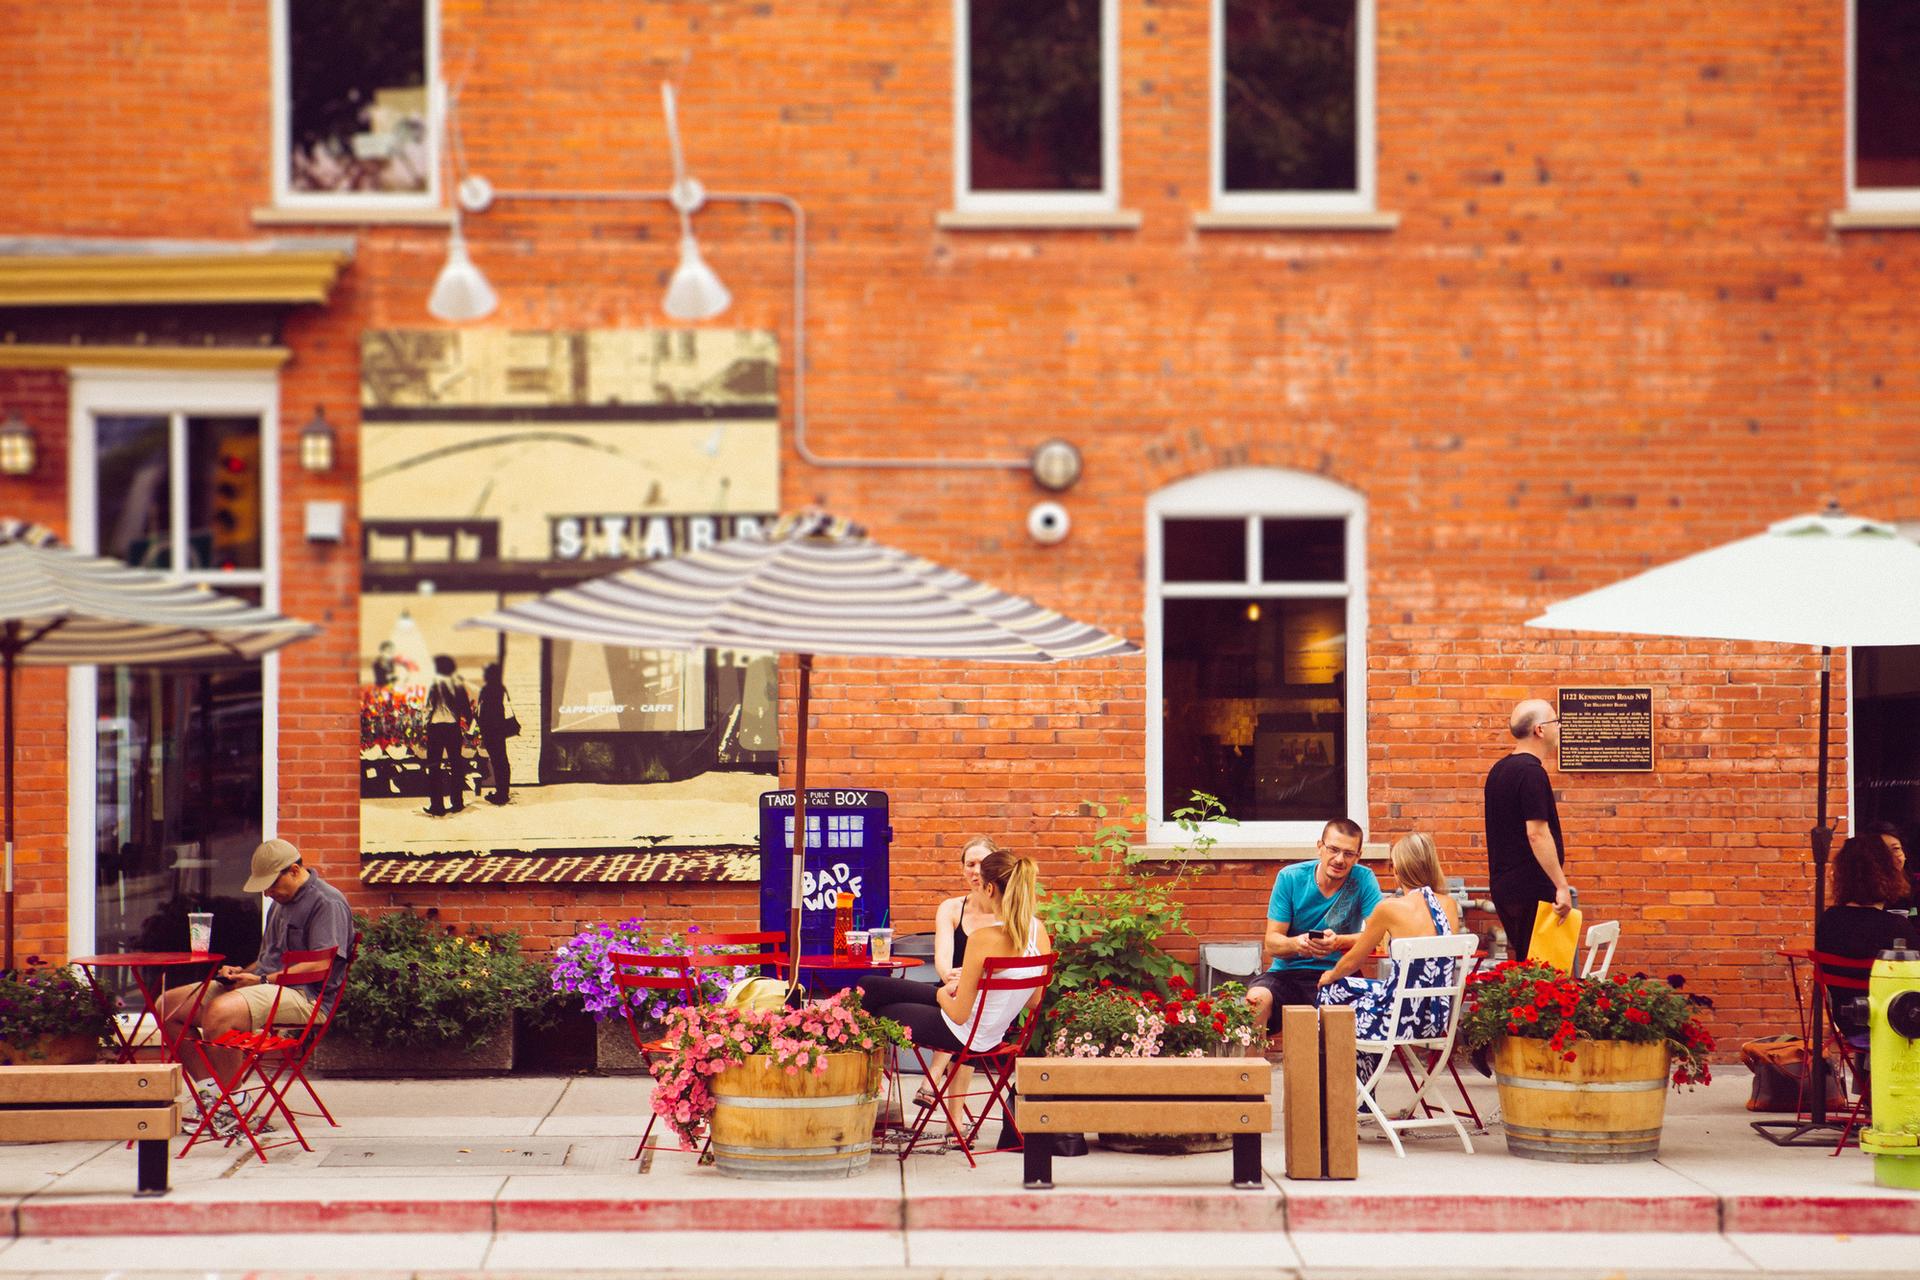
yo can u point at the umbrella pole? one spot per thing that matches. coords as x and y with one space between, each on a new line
799 824
1822 837
12 633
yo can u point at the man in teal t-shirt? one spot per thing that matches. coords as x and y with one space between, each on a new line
1314 913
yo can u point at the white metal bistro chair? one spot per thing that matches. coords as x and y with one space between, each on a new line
1401 1033
1598 962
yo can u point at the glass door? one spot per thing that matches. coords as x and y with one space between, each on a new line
172 768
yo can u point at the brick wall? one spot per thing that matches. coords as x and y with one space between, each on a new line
1612 327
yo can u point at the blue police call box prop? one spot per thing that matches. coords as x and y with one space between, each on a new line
848 840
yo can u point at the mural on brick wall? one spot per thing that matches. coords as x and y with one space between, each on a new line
498 464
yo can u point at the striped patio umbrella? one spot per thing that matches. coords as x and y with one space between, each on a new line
815 585
62 608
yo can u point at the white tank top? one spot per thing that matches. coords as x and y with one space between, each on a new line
1001 1007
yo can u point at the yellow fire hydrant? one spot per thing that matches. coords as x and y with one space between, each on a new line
1893 1047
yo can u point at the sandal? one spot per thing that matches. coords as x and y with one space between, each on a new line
923 1097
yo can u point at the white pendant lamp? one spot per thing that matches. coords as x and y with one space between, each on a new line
461 292
695 292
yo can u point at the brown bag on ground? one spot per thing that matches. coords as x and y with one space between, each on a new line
1779 1065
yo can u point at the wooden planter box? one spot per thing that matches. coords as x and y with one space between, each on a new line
50 1051
613 1051
341 1055
1607 1106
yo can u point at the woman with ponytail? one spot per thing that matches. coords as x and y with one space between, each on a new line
942 1017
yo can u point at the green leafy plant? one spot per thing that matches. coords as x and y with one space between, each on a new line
416 984
1112 932
1534 1000
49 1000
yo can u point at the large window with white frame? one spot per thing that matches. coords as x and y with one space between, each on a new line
1256 652
173 769
1293 106
355 121
1883 105
1036 106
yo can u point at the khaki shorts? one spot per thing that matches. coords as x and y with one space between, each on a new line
295 1004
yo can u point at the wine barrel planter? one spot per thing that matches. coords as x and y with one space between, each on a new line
770 1125
50 1051
1604 1107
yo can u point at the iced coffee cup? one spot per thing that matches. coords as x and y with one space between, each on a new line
880 943
199 932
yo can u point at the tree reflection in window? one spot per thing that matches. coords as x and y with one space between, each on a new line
1289 95
357 86
1034 117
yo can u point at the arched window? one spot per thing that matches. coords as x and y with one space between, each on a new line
1256 652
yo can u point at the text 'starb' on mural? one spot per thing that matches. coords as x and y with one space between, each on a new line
1606 730
496 465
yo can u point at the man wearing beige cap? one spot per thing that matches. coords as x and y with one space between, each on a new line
306 914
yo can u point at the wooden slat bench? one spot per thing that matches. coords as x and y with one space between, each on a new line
1144 1095
104 1101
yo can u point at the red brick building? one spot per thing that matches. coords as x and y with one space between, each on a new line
1457 309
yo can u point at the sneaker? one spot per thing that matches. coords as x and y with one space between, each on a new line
208 1102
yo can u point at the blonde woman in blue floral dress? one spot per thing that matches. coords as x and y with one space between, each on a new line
1422 909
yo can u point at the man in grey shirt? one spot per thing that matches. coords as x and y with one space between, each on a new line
307 914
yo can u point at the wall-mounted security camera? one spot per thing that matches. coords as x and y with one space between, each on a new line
1047 523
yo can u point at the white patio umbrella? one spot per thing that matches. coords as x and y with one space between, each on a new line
62 608
816 585
1831 580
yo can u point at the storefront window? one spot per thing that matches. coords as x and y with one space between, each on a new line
355 115
1256 652
177 807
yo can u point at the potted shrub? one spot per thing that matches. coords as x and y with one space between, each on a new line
425 1000
786 1093
1218 1024
581 968
1582 1064
50 1015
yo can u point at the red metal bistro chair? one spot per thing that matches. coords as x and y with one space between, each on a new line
265 1055
994 1063
1844 974
635 973
294 1061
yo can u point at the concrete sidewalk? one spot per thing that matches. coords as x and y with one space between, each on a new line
551 1154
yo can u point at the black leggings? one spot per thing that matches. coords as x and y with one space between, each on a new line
915 1006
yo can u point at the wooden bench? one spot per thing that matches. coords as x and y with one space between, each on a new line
1144 1095
104 1101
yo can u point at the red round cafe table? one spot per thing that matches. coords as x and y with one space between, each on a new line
859 964
146 967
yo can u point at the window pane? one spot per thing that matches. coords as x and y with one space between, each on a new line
1887 94
1303 551
178 802
1288 95
1204 551
1033 118
357 77
1254 706
135 506
223 493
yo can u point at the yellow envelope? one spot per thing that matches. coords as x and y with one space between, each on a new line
1555 940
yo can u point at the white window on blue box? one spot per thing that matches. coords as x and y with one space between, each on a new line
813 831
846 830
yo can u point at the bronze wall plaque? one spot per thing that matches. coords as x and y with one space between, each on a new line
1606 730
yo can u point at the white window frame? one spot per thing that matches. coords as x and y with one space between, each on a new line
178 396
1105 200
1251 493
1357 201
1875 199
285 197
